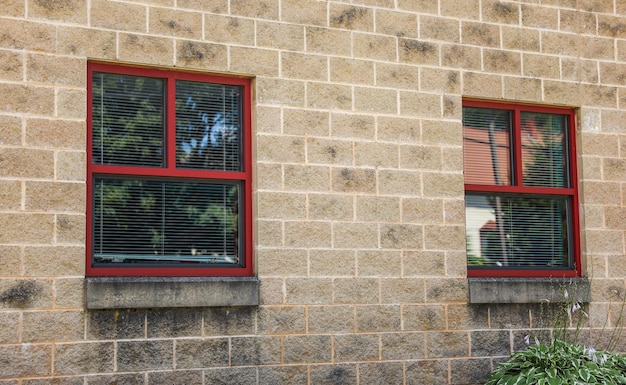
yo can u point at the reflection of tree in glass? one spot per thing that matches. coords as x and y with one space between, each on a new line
543 150
207 126
127 122
165 219
535 232
159 220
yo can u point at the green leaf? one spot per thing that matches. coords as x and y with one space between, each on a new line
584 374
554 381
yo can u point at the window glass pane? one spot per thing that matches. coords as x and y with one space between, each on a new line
208 126
513 231
487 146
165 222
127 120
543 150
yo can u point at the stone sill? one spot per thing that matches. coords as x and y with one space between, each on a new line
160 292
527 290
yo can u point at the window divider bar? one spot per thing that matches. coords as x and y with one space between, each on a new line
517 165
170 127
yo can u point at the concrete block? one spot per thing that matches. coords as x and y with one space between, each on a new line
334 374
201 353
231 376
381 373
403 346
116 324
327 319
356 347
293 374
27 360
352 17
145 355
247 351
169 22
164 323
84 358
308 349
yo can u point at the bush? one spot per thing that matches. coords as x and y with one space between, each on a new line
560 363
564 361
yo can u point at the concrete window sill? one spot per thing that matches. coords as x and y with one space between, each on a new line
527 290
159 292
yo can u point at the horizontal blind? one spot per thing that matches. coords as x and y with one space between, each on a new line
208 126
165 222
487 146
517 231
543 150
127 120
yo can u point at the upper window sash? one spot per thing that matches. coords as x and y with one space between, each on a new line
518 148
207 129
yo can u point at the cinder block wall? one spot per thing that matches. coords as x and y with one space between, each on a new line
359 212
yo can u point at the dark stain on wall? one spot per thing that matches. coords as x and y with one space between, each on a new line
614 30
503 9
189 50
453 78
347 17
418 46
21 293
54 4
449 107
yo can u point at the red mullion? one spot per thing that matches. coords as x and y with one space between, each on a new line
487 104
167 172
247 171
520 190
170 125
89 187
128 70
216 79
573 179
517 148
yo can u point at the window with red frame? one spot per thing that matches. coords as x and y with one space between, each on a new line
169 173
521 201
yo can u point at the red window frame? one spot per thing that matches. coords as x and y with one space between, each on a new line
171 171
518 188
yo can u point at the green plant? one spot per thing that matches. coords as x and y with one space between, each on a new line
563 360
560 363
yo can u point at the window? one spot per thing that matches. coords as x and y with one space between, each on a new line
169 173
521 201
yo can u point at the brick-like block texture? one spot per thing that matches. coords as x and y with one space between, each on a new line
358 183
